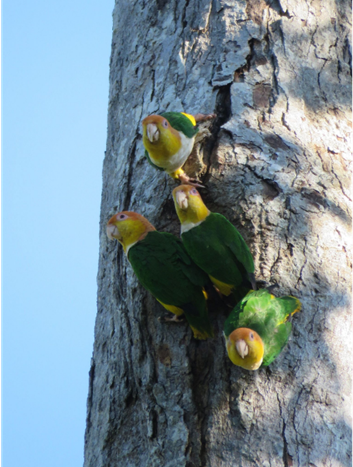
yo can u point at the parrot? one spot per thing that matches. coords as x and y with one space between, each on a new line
169 138
163 267
258 328
214 244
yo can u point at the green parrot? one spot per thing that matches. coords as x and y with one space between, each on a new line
258 328
169 138
163 267
214 244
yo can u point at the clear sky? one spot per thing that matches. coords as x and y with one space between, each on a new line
55 71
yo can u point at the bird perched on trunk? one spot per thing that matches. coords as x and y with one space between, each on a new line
169 139
258 328
214 244
163 267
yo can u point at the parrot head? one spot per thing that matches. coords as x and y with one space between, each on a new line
245 348
128 228
160 136
189 205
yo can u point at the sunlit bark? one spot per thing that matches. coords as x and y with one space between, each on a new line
276 164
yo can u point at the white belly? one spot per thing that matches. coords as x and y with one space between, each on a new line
186 226
179 158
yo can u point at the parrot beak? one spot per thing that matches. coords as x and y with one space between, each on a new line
113 232
152 132
181 199
242 348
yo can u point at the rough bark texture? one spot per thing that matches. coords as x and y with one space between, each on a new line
276 164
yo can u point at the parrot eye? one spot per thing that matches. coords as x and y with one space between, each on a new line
121 217
165 123
194 191
251 336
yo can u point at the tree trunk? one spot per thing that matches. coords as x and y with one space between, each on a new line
276 164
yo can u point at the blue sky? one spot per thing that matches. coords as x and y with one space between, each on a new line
55 71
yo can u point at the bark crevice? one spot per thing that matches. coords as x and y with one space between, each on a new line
276 163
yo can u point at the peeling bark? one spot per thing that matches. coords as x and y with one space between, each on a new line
276 162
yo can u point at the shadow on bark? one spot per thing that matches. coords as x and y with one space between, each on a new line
275 164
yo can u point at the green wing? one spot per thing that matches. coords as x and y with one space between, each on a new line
217 247
267 315
181 123
288 306
165 269
274 341
151 163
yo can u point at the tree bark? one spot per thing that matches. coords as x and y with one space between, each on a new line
276 163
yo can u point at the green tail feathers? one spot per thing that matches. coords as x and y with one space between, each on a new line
198 319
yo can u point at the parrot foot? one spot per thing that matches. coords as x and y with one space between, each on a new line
203 117
226 300
271 287
218 292
264 285
168 319
186 180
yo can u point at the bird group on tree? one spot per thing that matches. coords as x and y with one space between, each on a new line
211 255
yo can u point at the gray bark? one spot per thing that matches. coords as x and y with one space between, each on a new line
276 163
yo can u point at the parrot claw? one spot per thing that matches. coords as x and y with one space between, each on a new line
194 182
203 117
168 319
186 180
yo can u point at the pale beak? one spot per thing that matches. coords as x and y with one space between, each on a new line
242 348
182 200
152 132
113 232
